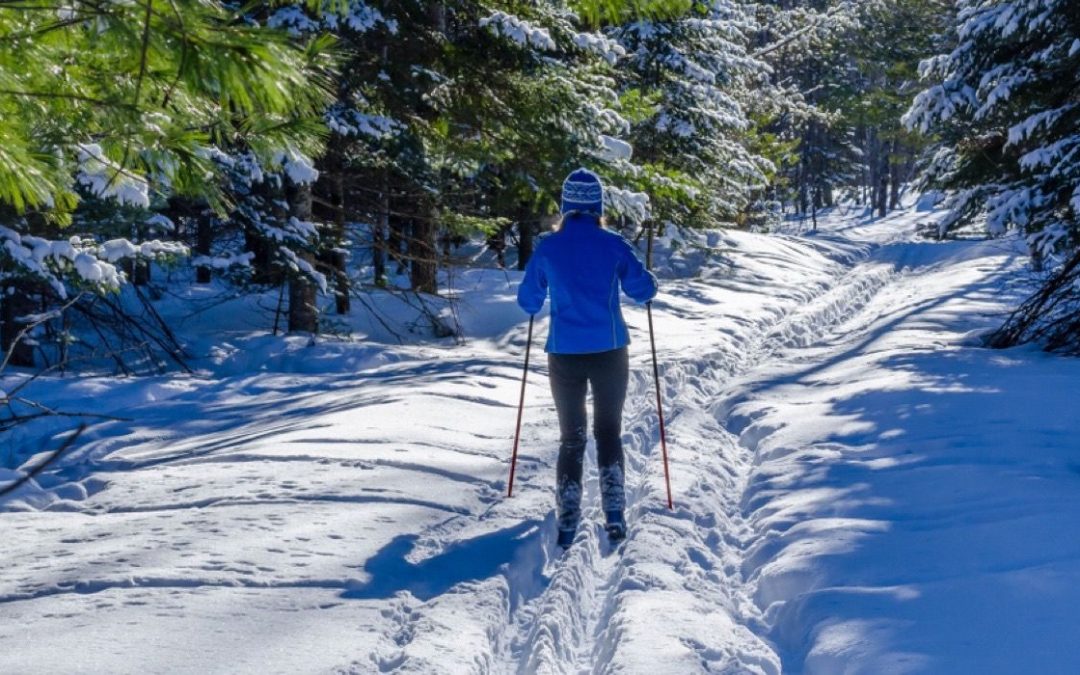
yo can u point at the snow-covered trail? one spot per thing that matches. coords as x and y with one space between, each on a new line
858 489
914 498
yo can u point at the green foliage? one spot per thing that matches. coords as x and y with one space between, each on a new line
638 105
779 149
596 13
463 225
845 72
154 83
688 84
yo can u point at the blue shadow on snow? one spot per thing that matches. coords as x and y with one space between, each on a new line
468 560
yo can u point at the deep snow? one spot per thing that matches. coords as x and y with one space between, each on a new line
859 487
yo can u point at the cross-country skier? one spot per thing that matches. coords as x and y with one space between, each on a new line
581 265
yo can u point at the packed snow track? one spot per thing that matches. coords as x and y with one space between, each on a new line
859 487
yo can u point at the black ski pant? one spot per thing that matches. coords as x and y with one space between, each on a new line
570 375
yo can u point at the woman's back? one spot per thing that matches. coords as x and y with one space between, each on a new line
582 266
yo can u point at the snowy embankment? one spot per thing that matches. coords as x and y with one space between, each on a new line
858 488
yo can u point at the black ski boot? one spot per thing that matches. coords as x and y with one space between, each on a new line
615 527
566 537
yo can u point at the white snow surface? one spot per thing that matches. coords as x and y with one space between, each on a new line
859 488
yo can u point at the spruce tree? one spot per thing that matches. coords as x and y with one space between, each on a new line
1002 104
688 74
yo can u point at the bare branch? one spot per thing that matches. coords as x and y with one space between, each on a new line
48 460
31 326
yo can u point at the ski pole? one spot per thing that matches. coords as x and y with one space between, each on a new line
659 407
521 409
656 378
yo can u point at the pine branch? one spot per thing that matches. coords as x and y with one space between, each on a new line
183 55
797 34
72 97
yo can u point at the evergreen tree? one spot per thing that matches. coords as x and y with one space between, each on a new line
456 118
143 90
892 37
129 101
845 72
797 111
1003 105
688 75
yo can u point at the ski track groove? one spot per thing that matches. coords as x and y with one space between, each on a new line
583 591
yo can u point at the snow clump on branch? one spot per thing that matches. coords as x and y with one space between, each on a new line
355 15
614 149
300 169
81 261
521 32
106 179
347 122
610 50
633 205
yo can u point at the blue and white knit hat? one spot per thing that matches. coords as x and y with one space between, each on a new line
583 192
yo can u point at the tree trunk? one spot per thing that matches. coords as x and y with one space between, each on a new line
828 198
195 225
138 271
872 166
422 256
394 239
895 176
378 234
878 159
526 236
802 204
303 313
861 194
378 251
137 268
15 301
883 183
806 177
438 16
497 243
262 267
204 239
338 255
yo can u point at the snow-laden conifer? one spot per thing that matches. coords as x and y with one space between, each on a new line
1003 104
687 74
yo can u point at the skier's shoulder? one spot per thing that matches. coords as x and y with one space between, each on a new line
543 242
616 240
611 234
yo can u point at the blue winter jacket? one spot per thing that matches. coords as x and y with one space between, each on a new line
582 266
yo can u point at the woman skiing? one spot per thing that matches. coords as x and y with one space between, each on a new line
582 266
